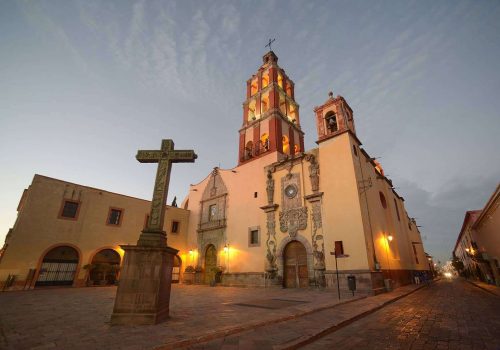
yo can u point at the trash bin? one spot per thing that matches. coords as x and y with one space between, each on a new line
388 284
351 282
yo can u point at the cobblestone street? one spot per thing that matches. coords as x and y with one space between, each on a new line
444 315
447 315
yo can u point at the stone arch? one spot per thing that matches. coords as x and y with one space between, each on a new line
281 249
331 121
106 263
56 270
209 261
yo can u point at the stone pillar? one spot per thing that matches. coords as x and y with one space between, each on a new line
143 293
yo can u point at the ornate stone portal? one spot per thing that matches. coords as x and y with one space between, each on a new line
143 295
317 229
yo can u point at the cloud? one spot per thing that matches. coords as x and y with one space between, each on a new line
441 213
36 15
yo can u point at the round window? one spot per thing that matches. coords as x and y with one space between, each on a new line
291 191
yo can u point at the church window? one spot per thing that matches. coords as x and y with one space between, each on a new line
286 144
397 210
115 216
265 79
175 227
146 221
382 200
296 149
212 212
415 252
280 80
282 104
255 195
69 210
251 111
264 139
264 103
254 237
331 121
253 87
249 150
339 248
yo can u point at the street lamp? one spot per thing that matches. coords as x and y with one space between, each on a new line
389 239
226 251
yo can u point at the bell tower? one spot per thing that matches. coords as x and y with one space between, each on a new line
333 117
271 120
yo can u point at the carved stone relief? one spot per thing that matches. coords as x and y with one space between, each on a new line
313 172
292 220
317 238
291 199
271 243
270 187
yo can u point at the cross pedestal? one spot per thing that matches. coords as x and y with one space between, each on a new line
143 294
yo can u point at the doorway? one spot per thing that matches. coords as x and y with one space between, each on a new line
210 263
105 267
58 267
295 273
176 269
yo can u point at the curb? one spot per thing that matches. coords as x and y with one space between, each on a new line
238 329
481 287
307 339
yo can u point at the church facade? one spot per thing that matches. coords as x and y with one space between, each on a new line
283 217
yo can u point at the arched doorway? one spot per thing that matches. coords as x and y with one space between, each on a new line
58 267
105 267
295 273
176 269
210 263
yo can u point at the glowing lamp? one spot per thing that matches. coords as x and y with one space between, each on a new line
390 238
226 248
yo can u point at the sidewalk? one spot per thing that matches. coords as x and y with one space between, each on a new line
297 331
490 288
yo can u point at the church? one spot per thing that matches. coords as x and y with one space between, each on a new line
283 217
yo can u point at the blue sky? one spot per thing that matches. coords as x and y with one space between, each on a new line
84 84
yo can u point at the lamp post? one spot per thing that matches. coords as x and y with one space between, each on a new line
226 251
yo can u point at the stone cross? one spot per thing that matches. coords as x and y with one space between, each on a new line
164 157
269 44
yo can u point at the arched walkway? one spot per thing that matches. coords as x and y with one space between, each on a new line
105 266
295 272
176 269
58 267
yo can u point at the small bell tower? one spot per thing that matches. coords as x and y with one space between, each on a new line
333 118
271 120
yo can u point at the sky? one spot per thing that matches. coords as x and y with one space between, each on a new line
85 84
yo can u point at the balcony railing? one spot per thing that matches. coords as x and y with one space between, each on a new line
211 225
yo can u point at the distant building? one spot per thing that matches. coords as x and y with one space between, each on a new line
61 227
478 244
281 217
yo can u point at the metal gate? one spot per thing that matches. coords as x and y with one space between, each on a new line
57 273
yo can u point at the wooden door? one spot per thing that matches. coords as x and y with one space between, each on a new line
295 266
210 263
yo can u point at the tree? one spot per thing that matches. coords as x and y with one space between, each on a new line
457 264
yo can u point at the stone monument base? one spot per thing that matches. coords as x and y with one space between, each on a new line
143 294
